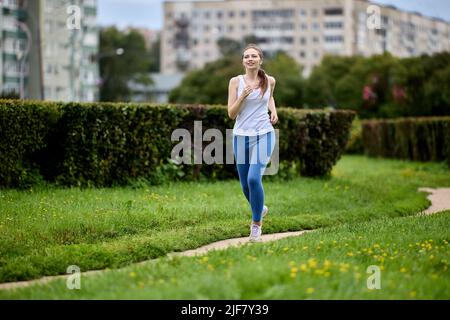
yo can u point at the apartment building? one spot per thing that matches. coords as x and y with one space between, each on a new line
14 67
62 41
305 29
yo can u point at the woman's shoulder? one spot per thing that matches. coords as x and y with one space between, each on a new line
235 79
271 79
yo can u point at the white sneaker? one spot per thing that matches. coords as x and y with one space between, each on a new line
255 233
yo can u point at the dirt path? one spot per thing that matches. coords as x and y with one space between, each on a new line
440 201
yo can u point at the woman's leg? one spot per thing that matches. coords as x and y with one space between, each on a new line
259 158
241 156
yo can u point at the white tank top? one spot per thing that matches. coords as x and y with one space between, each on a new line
253 118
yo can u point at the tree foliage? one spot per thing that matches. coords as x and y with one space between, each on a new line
117 70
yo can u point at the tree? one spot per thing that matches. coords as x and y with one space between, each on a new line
209 85
320 88
288 74
229 47
155 56
116 71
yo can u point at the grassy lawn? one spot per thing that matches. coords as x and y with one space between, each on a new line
43 231
411 254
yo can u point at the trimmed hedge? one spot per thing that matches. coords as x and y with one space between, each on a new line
419 139
107 144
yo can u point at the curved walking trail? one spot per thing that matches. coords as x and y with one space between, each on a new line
440 201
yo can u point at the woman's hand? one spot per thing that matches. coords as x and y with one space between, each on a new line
247 90
273 117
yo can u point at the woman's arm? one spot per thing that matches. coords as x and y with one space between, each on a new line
235 103
272 108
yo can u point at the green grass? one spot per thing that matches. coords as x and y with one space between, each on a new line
43 231
412 254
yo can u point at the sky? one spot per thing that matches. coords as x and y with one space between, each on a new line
148 13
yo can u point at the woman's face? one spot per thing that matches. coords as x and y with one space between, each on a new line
251 59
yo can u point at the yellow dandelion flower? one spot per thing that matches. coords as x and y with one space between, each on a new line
205 259
403 270
285 249
305 247
412 294
312 263
319 272
303 267
350 254
294 270
293 274
133 274
310 290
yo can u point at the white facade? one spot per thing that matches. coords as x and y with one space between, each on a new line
305 29
62 49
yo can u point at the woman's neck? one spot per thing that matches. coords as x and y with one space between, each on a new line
251 75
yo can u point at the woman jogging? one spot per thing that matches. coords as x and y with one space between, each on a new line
250 97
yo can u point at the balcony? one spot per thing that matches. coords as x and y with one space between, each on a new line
14 34
19 14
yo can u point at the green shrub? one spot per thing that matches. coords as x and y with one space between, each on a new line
25 130
107 144
420 139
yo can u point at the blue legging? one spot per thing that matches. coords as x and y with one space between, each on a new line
252 154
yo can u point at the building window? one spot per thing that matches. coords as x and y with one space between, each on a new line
303 40
207 14
315 39
242 14
333 39
314 12
334 25
219 14
315 26
303 12
230 28
303 26
333 11
231 14
302 54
